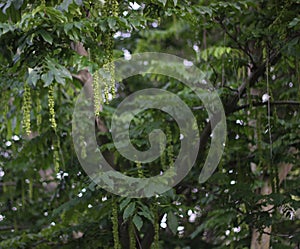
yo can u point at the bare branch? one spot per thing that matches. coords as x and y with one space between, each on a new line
287 102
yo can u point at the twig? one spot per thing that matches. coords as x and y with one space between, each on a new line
237 42
286 102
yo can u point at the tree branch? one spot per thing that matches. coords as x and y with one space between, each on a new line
286 102
245 50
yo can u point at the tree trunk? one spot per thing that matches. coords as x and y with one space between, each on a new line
262 241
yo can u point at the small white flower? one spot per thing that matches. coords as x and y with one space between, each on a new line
134 5
265 97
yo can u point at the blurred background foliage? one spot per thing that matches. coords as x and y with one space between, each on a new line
252 199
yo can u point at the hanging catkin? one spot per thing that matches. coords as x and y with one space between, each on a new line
140 169
271 166
163 159
30 189
170 149
51 104
259 137
38 112
97 93
26 108
132 242
56 143
156 226
115 223
110 10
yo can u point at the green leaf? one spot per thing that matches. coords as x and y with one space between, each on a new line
175 2
129 210
172 222
164 2
8 129
78 2
111 22
46 36
65 5
47 78
68 27
294 22
124 203
138 222
198 230
7 6
56 14
33 76
145 211
63 72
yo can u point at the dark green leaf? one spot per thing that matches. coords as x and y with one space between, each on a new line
172 222
138 222
47 78
129 210
46 36
33 76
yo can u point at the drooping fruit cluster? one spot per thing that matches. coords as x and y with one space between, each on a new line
170 149
111 9
154 208
56 142
38 112
140 170
97 93
114 219
26 108
132 243
51 104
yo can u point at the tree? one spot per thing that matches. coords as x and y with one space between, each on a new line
249 51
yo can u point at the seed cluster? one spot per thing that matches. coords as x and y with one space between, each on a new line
111 9
170 150
97 93
140 169
56 143
132 243
156 226
83 147
163 159
38 112
114 219
56 158
26 108
51 107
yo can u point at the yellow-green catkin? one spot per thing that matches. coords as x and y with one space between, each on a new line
156 226
83 147
30 190
38 112
132 242
56 144
23 194
56 159
170 149
51 104
115 223
97 93
259 138
163 160
140 169
26 109
106 82
111 9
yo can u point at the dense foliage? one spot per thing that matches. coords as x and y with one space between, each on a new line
249 50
